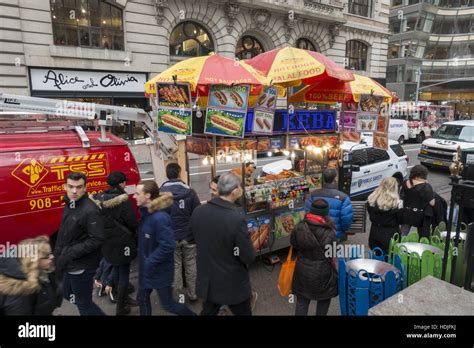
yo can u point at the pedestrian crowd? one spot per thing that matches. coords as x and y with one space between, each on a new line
190 250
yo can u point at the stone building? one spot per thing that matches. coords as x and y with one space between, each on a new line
103 50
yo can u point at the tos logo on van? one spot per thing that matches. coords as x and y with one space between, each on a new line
30 172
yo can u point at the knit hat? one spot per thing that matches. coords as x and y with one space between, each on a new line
320 207
116 178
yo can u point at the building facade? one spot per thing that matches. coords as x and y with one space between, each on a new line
433 38
102 50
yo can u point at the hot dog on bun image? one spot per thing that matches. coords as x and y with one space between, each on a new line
220 97
174 122
224 123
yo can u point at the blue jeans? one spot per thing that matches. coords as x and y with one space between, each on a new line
121 275
166 300
77 288
105 273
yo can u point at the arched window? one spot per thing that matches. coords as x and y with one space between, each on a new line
305 44
248 47
189 39
87 23
356 54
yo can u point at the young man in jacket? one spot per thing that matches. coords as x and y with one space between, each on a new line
120 225
77 250
340 206
185 200
224 250
156 249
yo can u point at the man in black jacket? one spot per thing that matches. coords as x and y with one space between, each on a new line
224 250
77 250
185 200
120 229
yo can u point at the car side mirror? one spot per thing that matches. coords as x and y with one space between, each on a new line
355 168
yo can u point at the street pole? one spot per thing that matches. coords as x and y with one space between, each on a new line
418 78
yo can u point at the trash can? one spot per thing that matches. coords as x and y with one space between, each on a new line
365 282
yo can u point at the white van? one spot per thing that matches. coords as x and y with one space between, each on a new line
371 165
438 151
398 130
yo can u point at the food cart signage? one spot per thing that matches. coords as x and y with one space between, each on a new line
227 109
304 120
265 111
174 114
301 121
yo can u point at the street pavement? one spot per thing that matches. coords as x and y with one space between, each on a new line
264 277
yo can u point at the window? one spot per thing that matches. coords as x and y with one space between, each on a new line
356 54
87 23
361 7
189 39
398 150
359 157
305 44
377 155
425 22
248 47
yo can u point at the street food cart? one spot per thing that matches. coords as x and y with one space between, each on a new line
301 145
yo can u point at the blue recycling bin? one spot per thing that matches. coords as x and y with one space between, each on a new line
365 282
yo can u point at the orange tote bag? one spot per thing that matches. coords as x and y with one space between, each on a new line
285 280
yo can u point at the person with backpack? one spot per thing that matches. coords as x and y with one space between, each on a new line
120 224
185 200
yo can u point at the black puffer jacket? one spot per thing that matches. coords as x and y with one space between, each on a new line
118 243
80 236
385 223
22 292
314 278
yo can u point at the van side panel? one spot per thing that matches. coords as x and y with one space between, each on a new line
32 185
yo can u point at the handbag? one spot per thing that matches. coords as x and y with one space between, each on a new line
285 279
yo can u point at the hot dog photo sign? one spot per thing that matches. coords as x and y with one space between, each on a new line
174 108
265 111
227 110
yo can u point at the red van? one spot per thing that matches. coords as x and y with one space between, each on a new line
33 168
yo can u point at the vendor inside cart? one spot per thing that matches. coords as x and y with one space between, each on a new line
249 170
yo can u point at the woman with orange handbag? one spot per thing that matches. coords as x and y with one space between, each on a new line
315 276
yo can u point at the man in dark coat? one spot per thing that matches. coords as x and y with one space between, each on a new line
185 200
77 250
120 225
224 251
156 249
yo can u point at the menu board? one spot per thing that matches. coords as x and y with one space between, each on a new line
367 114
381 135
174 112
286 221
259 232
265 111
227 110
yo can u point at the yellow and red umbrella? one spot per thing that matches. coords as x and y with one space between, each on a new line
201 72
332 90
291 66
